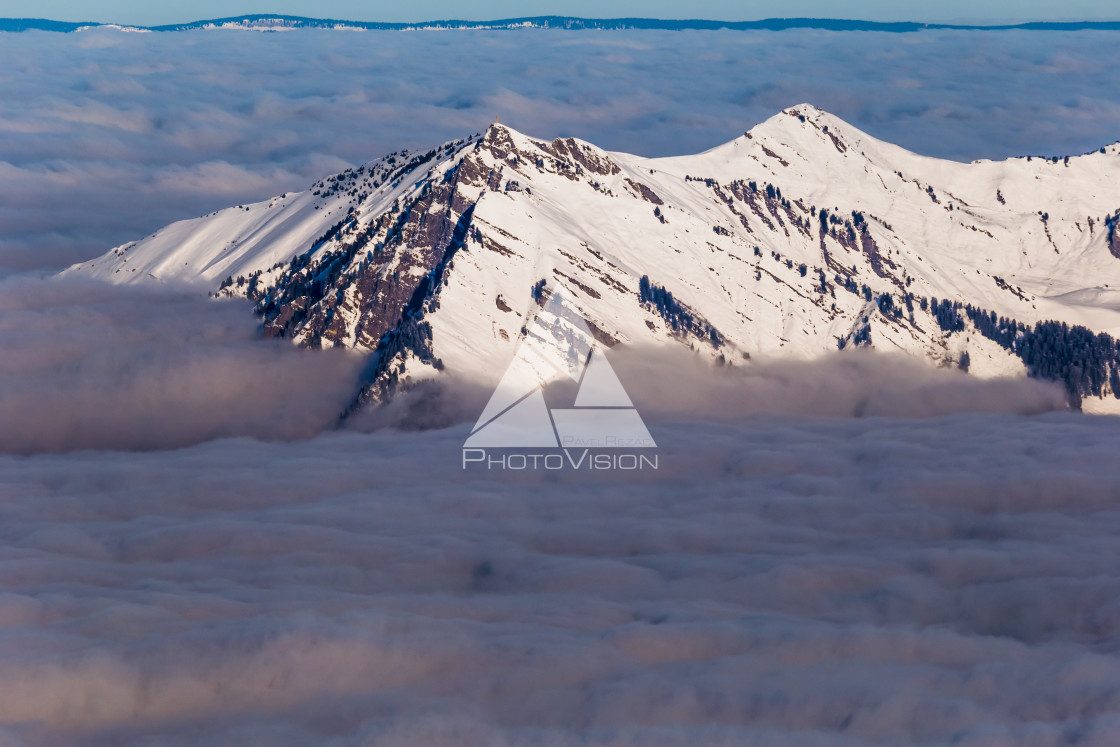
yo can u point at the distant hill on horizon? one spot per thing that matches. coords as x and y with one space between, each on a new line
280 22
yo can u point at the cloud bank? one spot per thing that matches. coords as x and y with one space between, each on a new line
86 365
670 383
107 136
806 582
94 366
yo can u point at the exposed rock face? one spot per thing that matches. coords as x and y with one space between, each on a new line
644 192
378 273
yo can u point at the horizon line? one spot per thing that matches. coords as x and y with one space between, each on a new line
571 23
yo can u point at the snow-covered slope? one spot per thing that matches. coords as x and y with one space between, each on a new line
799 237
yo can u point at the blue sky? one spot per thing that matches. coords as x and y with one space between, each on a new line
973 11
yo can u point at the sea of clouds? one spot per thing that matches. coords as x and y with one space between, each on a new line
859 550
107 136
779 580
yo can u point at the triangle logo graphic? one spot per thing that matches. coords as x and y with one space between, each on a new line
559 345
600 387
525 423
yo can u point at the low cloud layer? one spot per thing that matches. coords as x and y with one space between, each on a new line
94 366
854 551
668 383
91 366
107 136
777 581
674 383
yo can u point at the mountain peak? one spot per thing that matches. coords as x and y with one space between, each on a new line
499 127
793 123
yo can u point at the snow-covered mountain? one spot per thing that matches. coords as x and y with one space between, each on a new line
801 236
